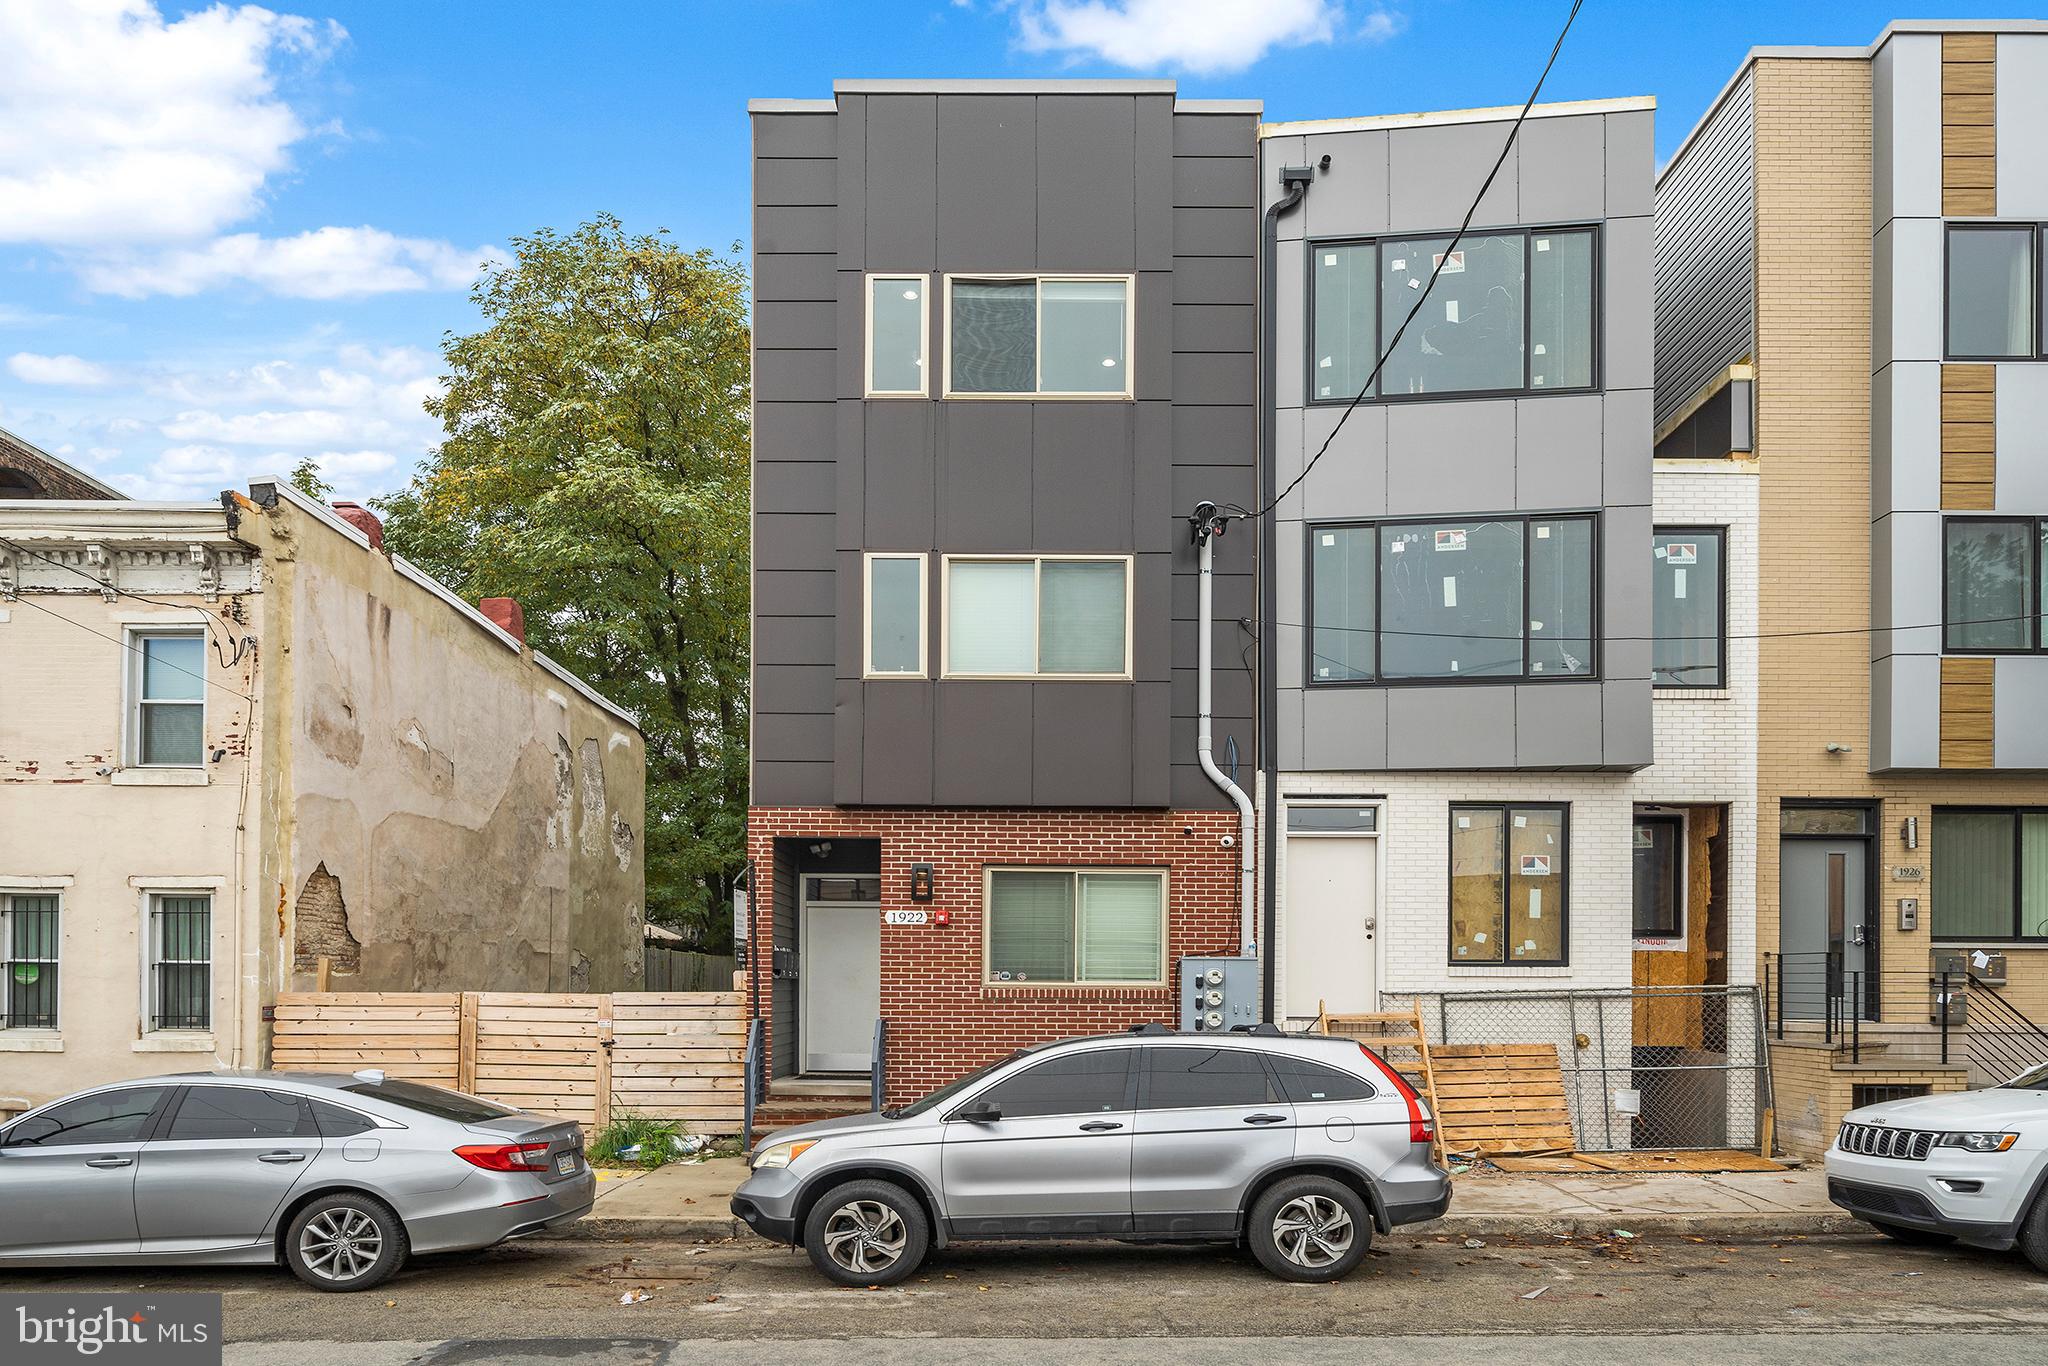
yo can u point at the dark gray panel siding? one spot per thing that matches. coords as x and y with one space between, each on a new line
993 183
1705 300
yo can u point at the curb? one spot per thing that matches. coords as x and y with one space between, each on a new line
1785 1224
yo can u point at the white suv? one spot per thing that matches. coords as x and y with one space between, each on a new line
1970 1166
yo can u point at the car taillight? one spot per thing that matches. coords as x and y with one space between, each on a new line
1421 1128
506 1157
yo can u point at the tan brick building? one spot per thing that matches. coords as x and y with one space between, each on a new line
1849 254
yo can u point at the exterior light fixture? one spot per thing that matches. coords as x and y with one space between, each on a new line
1909 832
920 882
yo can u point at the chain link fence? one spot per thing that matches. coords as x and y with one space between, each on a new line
1644 1067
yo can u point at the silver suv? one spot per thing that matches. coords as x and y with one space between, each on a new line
1299 1145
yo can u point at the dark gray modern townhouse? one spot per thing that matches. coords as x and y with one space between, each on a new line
1005 343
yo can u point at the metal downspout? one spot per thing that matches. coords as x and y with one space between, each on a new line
1247 819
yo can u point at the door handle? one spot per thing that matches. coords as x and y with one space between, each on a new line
281 1157
104 1162
1100 1126
1265 1119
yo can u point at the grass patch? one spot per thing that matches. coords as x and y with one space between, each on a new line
636 1141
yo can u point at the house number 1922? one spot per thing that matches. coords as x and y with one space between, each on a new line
906 917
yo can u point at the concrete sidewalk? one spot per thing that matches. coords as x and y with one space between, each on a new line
689 1201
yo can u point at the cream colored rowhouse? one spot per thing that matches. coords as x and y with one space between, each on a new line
236 739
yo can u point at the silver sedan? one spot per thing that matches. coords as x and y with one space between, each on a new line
340 1177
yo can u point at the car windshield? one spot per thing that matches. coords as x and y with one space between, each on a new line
2034 1078
952 1089
430 1100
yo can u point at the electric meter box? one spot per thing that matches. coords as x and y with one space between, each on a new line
1218 993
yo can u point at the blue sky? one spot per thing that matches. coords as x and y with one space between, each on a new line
231 237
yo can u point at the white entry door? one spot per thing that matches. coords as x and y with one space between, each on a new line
1331 910
841 977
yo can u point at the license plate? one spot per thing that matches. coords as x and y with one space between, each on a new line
565 1164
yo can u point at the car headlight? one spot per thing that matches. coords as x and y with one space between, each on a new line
782 1154
1977 1142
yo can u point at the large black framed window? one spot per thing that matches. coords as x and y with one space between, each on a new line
1991 600
1990 873
1688 607
1446 600
1509 884
1994 291
1512 311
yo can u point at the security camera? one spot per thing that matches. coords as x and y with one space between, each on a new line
1230 841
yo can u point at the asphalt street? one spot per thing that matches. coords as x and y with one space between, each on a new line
1817 1300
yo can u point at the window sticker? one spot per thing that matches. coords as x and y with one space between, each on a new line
1542 533
1682 552
1535 903
1479 936
1453 539
1535 865
1521 822
1329 538
1454 266
1396 267
1451 310
1678 583
1450 590
1543 244
1329 258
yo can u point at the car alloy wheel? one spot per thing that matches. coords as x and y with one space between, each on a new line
1312 1231
865 1237
340 1244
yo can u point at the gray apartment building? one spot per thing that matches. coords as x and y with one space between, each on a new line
1481 590
1005 342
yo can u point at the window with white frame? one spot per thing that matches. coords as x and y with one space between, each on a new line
1041 335
28 960
899 312
895 638
1038 616
180 979
1075 925
167 688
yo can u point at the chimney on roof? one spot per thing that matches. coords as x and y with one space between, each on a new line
506 613
363 520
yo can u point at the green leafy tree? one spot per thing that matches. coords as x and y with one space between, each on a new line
595 467
307 479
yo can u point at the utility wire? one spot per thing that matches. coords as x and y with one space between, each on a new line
28 601
1441 261
1759 635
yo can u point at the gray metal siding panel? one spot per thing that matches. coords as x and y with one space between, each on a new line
1215 327
1563 169
1152 177
1076 447
1433 171
799 180
792 541
984 478
794 279
1087 192
902 182
792 431
898 469
792 593
988 182
1706 255
982 744
1081 745
896 752
792 688
794 135
803 487
1214 182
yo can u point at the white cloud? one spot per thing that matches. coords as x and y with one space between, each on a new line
201 470
327 263
69 371
118 126
1381 24
1201 36
307 427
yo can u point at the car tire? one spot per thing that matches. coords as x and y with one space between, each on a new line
867 1233
346 1241
1913 1237
2033 1240
1309 1228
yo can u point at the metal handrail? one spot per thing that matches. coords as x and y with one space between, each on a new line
878 1064
751 1079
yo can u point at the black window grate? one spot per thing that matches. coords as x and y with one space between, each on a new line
181 963
1861 1096
28 962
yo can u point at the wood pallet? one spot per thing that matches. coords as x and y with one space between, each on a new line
1501 1099
1397 1032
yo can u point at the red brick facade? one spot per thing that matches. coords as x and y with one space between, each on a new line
944 1020
37 475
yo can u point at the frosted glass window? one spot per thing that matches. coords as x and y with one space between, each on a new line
1081 617
1991 292
1082 329
991 620
1346 342
896 615
896 313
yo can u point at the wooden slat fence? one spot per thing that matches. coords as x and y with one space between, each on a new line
583 1056
681 970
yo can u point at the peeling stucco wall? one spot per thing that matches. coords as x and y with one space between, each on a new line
479 817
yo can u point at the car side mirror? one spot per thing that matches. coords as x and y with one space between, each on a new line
981 1112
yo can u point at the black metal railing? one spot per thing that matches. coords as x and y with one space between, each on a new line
1819 988
2002 1041
752 1078
878 1064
